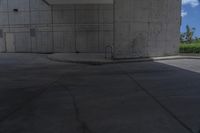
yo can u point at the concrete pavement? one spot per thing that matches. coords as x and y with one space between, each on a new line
41 96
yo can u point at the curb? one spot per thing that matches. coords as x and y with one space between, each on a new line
121 61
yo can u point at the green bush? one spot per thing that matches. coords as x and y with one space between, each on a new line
190 48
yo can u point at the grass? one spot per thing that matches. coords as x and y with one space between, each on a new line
190 48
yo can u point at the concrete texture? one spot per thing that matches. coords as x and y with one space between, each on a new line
34 26
133 28
61 2
146 28
41 96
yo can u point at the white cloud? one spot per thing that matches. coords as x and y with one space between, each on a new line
193 3
183 13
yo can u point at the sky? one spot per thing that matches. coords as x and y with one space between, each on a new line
191 15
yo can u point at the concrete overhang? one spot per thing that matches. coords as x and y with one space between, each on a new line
62 2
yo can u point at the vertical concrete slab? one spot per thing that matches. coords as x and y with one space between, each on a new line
142 28
105 26
64 28
22 42
19 18
3 24
4 19
22 5
2 41
3 5
41 24
42 39
3 32
105 37
173 26
64 15
2 45
59 44
81 42
44 42
122 27
87 20
10 42
41 17
64 42
106 14
87 15
93 24
93 41
87 38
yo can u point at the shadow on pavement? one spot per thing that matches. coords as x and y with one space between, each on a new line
135 97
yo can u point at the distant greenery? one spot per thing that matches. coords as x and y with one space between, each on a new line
189 43
190 48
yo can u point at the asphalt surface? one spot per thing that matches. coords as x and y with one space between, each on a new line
41 96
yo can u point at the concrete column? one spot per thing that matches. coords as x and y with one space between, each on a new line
146 28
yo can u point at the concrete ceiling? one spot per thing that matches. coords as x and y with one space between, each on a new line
61 2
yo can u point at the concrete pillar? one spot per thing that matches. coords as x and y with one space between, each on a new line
146 28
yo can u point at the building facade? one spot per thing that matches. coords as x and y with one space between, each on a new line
130 28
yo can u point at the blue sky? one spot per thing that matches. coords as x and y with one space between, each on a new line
191 15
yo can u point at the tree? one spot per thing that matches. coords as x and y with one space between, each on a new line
182 37
189 34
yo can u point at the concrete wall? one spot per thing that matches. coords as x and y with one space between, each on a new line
141 27
146 27
34 26
57 2
82 28
26 26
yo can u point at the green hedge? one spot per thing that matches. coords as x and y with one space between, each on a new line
190 48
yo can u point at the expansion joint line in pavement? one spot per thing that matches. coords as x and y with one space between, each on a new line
23 105
84 127
131 76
